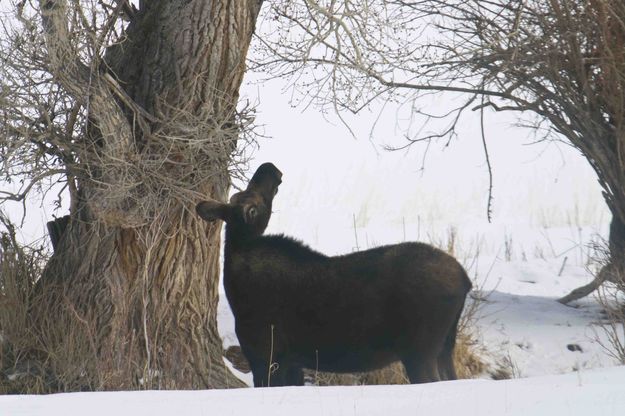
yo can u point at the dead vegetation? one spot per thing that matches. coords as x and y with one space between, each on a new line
53 352
20 268
611 296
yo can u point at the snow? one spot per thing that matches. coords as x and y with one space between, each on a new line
580 393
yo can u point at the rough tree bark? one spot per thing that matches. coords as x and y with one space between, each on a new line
130 294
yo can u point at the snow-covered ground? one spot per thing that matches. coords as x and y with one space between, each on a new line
582 393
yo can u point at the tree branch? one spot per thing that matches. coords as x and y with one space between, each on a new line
82 82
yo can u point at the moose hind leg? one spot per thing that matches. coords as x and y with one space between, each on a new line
446 366
265 375
260 376
421 369
295 376
269 377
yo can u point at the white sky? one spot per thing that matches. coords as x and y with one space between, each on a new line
325 168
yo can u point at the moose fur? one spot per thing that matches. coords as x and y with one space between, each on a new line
296 308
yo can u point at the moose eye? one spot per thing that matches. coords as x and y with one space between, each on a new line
252 212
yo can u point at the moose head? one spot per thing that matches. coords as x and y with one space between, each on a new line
248 212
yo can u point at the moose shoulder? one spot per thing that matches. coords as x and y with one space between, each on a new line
296 308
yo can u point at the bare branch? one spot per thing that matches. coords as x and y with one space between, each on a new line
23 192
488 165
81 81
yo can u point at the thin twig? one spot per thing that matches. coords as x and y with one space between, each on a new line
490 171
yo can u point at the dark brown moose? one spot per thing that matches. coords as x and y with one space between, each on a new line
295 308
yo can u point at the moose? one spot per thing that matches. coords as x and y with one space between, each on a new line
296 308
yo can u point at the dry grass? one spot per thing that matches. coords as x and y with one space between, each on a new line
469 356
61 354
505 368
610 292
19 270
392 374
612 298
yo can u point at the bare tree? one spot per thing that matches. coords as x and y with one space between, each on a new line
562 62
133 109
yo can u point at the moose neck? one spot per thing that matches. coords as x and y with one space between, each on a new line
235 243
236 239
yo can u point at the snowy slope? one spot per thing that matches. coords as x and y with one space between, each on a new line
583 393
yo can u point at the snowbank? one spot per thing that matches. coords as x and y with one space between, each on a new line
597 392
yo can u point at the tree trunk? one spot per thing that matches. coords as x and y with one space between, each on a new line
137 307
613 271
129 298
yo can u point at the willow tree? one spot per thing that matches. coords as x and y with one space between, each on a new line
133 109
560 63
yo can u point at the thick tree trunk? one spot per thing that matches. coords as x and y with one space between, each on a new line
129 298
135 307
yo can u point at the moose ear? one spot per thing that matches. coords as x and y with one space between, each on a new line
213 210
